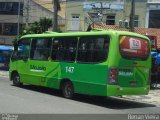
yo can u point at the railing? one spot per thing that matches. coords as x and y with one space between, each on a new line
61 21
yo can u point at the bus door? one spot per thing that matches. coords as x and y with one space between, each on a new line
134 65
39 65
20 59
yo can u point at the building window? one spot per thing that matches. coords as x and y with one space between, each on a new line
154 17
1 28
9 29
94 17
75 23
5 6
136 20
40 49
110 20
10 8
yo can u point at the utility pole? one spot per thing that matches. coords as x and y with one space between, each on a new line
132 15
101 12
55 16
18 19
27 13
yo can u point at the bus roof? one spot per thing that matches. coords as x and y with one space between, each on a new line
94 32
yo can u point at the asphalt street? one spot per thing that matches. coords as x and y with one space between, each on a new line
38 100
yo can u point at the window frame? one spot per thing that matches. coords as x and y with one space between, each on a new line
136 20
110 20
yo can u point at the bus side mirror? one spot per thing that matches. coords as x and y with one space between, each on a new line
25 58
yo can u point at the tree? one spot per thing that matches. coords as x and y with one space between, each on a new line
44 24
39 26
56 8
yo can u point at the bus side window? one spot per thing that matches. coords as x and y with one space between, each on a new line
23 48
64 49
40 49
93 49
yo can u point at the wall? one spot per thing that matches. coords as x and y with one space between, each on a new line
122 12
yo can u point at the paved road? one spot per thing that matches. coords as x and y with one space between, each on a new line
38 100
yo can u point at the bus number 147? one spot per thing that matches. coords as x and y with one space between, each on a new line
69 69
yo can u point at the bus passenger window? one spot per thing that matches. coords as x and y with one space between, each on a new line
64 49
93 49
40 49
23 48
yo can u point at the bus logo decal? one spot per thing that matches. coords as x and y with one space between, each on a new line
34 68
134 43
125 72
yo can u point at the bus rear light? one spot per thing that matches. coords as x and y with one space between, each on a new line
113 75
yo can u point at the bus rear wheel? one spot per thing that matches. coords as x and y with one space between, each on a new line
67 89
16 80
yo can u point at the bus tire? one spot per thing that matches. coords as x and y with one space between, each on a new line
67 89
16 80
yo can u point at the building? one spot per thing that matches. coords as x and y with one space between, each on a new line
9 19
15 13
36 9
81 13
153 14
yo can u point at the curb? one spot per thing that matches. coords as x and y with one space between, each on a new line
152 98
4 73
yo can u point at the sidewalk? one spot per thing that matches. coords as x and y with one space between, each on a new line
153 97
4 73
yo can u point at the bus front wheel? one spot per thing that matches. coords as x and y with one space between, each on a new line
67 89
16 80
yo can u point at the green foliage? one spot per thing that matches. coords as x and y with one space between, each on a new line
40 26
37 27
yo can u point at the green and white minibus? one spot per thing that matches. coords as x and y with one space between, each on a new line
101 63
